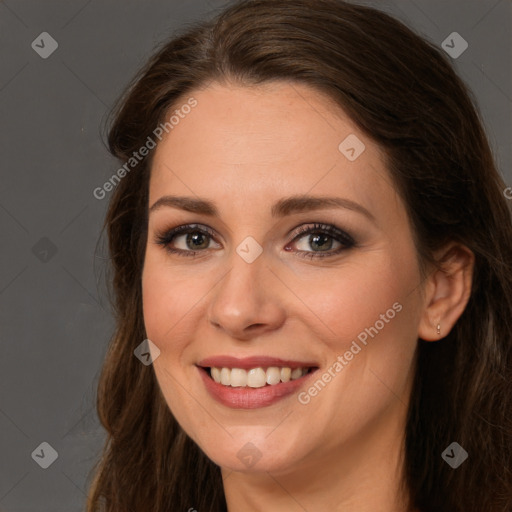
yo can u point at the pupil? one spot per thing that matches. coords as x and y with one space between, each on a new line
314 239
193 237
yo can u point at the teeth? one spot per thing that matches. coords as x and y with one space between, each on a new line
215 372
239 377
225 376
286 374
273 375
255 377
296 373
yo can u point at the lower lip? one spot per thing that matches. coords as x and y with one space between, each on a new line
251 398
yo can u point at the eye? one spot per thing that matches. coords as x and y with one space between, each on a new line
196 239
322 237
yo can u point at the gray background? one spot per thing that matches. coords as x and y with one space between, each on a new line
54 314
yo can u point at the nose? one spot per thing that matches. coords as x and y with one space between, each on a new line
247 301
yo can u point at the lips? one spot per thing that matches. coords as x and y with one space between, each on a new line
246 387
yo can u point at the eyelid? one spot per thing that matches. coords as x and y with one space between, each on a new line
183 229
329 229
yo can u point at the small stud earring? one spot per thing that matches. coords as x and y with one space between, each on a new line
438 329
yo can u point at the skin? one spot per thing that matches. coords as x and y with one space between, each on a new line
245 148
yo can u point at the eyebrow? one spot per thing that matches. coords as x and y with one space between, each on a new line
283 207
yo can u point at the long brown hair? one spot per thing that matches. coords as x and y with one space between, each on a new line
403 93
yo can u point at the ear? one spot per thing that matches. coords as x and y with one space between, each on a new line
447 291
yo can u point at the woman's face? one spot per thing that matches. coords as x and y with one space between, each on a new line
258 293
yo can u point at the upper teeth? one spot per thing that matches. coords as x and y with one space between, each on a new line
255 377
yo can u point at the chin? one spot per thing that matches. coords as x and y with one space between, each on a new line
255 453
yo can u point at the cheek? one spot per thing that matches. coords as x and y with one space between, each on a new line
167 297
369 317
168 309
373 312
354 298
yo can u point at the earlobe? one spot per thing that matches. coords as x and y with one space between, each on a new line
447 292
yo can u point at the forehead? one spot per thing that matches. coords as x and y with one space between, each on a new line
263 142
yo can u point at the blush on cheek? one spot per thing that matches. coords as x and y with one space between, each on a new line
346 316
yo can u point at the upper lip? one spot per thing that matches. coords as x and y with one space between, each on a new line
252 362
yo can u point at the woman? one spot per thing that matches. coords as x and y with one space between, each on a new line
311 245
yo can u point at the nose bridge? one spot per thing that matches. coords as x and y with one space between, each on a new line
241 285
244 297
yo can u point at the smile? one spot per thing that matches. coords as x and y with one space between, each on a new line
256 377
253 382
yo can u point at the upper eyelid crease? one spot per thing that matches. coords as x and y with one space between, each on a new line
283 207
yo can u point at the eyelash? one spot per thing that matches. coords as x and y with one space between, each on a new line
164 239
